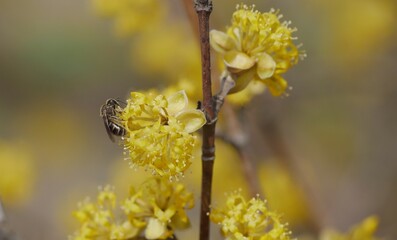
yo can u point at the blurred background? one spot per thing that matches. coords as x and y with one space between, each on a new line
326 154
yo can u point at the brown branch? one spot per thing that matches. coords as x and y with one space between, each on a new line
235 134
204 9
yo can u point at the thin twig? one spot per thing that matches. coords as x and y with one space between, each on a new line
204 9
238 139
2 213
191 14
249 172
275 140
5 232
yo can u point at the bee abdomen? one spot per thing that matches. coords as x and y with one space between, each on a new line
116 129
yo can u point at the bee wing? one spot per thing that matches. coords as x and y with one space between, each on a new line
115 120
121 102
106 122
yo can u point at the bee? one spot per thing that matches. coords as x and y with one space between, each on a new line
109 113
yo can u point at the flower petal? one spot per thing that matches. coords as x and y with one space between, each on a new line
180 220
124 231
245 96
242 79
166 215
220 41
276 85
238 61
155 229
192 119
177 102
266 66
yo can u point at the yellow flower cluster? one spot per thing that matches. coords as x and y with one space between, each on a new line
249 220
154 210
257 46
363 231
159 132
131 16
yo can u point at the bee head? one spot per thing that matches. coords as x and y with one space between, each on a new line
112 101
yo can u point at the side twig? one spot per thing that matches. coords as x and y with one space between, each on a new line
276 142
5 232
237 137
204 9
191 14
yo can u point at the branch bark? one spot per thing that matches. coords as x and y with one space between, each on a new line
204 9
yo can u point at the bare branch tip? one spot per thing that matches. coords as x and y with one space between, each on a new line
203 5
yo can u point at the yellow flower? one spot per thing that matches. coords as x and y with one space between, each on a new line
98 219
251 220
131 16
155 209
257 46
159 132
163 206
283 193
363 231
175 56
17 174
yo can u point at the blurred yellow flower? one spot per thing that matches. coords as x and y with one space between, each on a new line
227 163
122 177
159 132
131 16
363 231
282 192
251 220
169 51
17 174
363 28
155 209
257 46
191 86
